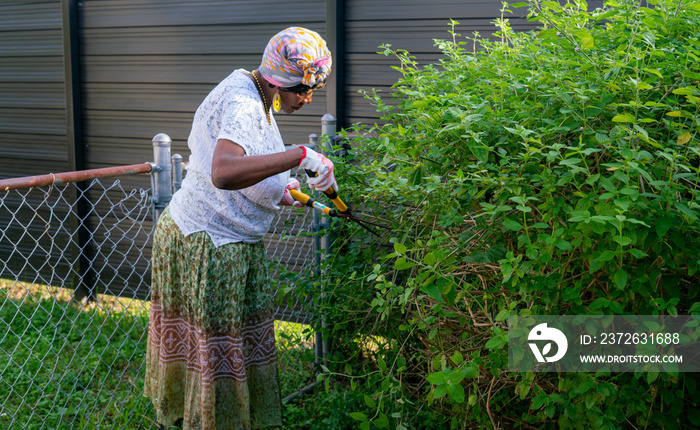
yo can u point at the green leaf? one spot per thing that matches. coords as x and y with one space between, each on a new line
655 72
684 138
582 388
622 240
503 315
381 421
601 138
416 176
637 253
620 279
600 302
536 403
399 248
547 34
358 416
694 414
570 162
690 75
550 411
687 91
437 378
564 245
495 342
686 211
370 402
480 151
440 391
585 39
663 225
432 291
471 370
402 264
512 225
381 364
625 117
457 358
456 392
430 259
606 255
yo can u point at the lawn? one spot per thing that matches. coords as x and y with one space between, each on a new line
65 365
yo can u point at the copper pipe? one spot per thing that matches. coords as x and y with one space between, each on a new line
68 177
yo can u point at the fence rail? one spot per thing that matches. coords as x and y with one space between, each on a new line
70 177
76 360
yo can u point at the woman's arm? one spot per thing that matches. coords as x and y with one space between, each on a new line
231 169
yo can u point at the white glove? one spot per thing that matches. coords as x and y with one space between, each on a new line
287 199
315 162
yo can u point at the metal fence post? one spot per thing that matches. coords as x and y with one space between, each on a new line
318 336
177 172
328 125
161 174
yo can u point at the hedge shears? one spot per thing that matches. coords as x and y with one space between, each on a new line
342 210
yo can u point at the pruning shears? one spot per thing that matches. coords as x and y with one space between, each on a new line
342 210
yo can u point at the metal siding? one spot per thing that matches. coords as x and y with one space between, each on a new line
32 101
411 25
33 136
148 64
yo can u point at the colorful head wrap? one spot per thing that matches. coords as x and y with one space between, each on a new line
296 56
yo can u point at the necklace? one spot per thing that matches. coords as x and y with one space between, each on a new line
264 99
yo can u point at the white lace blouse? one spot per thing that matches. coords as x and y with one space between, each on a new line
234 111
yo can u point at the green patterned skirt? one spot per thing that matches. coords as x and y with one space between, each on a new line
211 356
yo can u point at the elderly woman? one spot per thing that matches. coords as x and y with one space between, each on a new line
211 359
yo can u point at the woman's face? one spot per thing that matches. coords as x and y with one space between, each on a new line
292 102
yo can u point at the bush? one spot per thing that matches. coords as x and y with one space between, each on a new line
549 172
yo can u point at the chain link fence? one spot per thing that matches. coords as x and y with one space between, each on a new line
74 283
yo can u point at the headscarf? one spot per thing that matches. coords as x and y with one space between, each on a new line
296 56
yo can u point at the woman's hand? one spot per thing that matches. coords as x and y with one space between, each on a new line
322 166
287 199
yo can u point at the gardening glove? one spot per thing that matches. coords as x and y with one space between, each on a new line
322 166
287 199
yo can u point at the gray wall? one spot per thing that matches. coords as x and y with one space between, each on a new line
411 25
32 103
147 64
33 130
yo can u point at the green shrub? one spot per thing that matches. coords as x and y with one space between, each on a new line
548 172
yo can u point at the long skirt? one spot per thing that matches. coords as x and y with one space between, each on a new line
211 358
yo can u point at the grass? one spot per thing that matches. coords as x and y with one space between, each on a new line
65 365
70 365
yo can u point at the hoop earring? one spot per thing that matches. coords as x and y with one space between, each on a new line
276 102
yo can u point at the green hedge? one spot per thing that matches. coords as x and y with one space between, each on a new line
549 172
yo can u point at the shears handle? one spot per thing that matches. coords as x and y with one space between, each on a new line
310 202
332 194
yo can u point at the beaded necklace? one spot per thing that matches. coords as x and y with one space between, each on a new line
264 99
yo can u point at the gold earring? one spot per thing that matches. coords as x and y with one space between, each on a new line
276 102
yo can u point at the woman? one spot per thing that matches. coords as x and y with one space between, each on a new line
211 360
